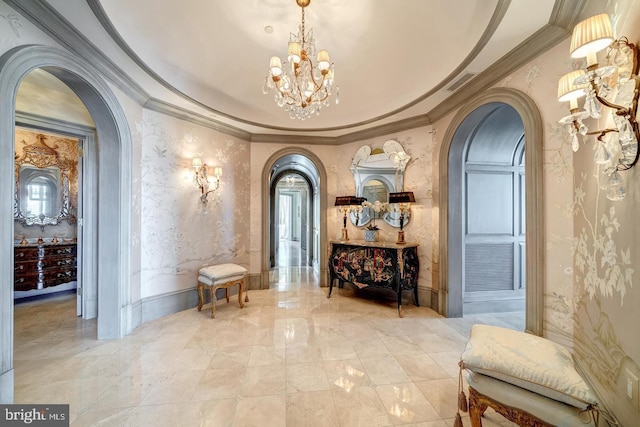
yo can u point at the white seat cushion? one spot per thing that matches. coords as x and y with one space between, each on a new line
222 271
527 361
207 281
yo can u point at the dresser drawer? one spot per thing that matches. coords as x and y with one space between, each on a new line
44 266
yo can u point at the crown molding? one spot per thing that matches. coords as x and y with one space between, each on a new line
47 19
48 123
564 15
172 110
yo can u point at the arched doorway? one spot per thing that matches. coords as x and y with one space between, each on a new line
493 206
292 199
451 204
304 163
107 183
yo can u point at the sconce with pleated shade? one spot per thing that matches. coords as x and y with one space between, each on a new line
611 88
591 36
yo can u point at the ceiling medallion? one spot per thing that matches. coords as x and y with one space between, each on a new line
300 87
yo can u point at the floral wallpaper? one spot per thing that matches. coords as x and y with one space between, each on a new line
179 233
592 244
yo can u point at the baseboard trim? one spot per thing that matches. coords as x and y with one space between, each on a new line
157 306
503 306
6 387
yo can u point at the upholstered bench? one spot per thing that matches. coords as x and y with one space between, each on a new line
221 276
529 380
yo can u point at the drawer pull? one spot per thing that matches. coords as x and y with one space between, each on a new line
20 267
20 255
20 280
65 262
64 274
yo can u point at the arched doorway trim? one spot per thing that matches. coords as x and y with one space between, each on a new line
110 181
450 284
281 173
266 211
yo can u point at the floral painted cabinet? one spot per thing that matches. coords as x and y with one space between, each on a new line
377 264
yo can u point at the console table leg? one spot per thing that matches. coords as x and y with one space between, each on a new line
399 311
330 286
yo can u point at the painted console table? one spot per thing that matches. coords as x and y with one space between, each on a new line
376 264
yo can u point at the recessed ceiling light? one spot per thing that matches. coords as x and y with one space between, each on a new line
268 29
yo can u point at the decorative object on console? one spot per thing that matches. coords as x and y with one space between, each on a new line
345 205
403 199
371 230
202 180
614 85
300 87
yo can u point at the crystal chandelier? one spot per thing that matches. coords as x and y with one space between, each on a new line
615 86
301 88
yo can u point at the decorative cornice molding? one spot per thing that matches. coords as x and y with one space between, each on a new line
184 114
48 123
538 43
46 18
564 15
293 139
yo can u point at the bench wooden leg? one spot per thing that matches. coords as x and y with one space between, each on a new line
213 301
476 408
240 294
200 296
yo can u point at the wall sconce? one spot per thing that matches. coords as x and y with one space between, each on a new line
202 180
404 199
615 86
345 204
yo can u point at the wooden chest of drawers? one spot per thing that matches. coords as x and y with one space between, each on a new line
41 266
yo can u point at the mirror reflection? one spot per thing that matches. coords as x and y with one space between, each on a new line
375 189
376 173
39 191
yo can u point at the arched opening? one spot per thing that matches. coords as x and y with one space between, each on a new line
293 210
301 162
493 206
107 183
451 208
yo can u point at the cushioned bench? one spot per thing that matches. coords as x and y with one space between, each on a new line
529 380
218 277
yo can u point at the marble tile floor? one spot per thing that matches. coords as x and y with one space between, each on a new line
291 357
